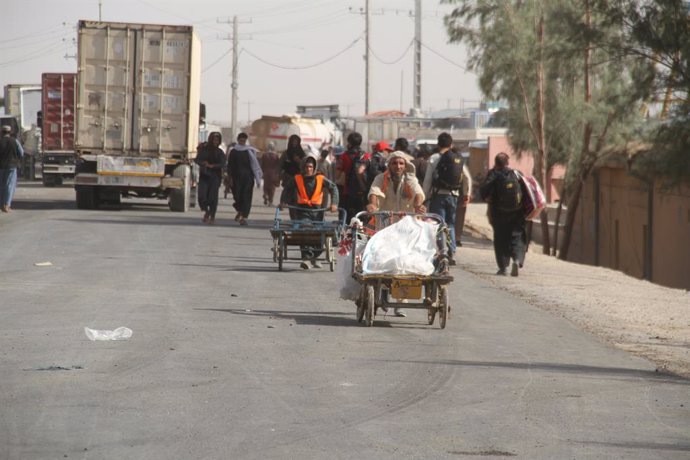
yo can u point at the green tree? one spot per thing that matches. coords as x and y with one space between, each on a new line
659 32
543 58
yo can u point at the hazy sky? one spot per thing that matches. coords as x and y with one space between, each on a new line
314 36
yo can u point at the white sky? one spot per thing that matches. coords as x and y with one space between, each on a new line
37 34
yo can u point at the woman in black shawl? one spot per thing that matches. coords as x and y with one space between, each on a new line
291 159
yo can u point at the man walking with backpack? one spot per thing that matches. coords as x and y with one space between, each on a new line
503 192
443 185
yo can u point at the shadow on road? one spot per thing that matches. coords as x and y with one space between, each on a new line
682 446
42 205
580 369
299 317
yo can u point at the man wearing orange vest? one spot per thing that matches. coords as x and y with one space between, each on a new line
305 191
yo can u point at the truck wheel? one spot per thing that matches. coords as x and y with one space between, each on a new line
179 198
48 180
86 197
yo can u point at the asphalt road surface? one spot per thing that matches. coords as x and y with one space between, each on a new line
231 359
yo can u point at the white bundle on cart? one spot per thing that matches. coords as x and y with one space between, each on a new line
407 247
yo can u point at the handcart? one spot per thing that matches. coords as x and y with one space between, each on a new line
294 233
379 291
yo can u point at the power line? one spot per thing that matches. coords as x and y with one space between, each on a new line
40 42
278 11
217 60
30 57
306 66
395 61
316 23
445 58
23 37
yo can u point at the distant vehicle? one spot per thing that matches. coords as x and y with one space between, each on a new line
57 127
137 125
278 130
430 142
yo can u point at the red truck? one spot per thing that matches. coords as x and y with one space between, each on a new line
58 161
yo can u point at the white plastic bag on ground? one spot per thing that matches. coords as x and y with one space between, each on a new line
121 333
407 247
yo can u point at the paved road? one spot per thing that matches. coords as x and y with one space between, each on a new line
232 359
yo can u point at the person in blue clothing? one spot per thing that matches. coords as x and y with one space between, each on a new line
442 200
11 153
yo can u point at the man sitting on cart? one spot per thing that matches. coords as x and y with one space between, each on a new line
304 193
398 190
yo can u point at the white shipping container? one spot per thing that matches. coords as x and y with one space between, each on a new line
138 90
23 101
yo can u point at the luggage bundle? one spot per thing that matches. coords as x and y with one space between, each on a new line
534 200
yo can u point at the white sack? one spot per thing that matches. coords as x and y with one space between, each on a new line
349 289
407 247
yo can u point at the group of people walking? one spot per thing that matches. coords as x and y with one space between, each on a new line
388 179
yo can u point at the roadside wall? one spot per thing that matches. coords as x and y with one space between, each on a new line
623 228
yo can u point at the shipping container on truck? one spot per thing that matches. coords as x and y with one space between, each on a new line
23 101
57 130
137 122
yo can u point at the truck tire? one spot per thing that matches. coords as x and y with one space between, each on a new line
87 197
49 180
179 198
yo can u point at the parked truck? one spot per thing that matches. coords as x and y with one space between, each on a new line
137 123
57 127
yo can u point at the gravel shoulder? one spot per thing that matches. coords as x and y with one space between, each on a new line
635 315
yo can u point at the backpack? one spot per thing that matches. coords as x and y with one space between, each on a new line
448 173
508 191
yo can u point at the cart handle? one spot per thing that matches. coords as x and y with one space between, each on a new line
428 215
342 213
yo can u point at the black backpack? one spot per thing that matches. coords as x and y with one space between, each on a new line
448 173
508 191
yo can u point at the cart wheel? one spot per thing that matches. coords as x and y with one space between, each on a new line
275 249
361 304
431 315
328 248
370 302
281 254
443 307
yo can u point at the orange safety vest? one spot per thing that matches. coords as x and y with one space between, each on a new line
302 198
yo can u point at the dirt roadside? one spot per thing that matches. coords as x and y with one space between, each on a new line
640 317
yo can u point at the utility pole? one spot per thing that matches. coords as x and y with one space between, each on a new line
402 72
100 6
367 63
235 84
417 97
367 77
235 69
